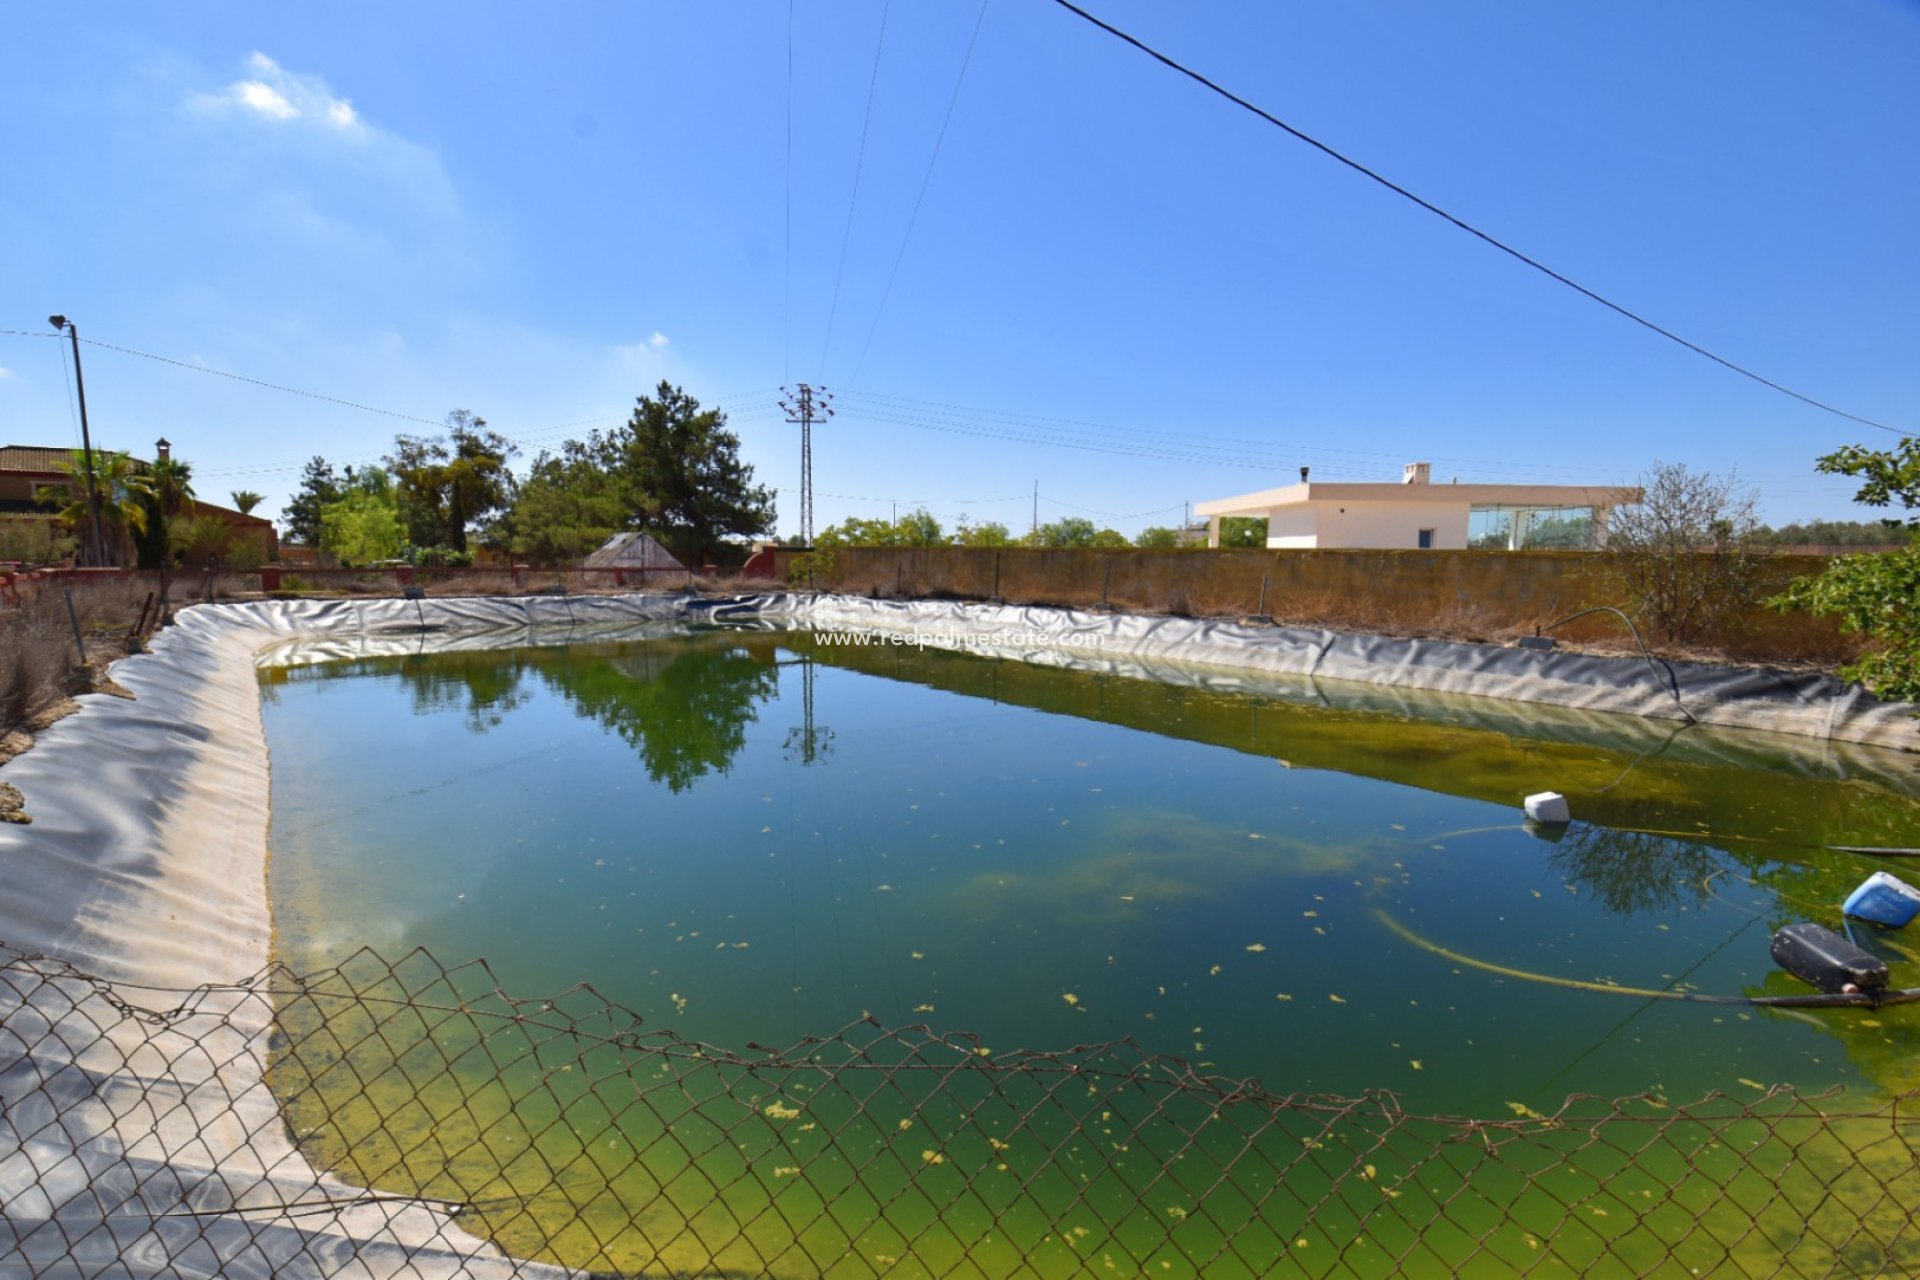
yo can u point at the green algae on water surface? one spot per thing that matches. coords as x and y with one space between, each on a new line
749 838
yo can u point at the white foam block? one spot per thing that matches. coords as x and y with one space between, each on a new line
1548 806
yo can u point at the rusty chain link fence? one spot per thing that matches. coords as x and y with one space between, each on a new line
412 1119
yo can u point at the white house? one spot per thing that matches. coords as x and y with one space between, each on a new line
1417 513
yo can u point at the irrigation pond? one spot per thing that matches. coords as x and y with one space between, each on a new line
751 837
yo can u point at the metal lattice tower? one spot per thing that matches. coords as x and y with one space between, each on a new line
805 404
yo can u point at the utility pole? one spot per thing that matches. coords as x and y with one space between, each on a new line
1036 507
96 551
807 403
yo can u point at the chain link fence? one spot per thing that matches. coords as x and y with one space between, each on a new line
407 1118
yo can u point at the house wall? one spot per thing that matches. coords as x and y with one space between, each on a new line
1389 526
1293 528
24 486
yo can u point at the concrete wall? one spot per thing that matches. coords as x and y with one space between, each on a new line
1493 595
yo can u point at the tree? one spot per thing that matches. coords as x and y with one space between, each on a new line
364 525
1890 476
300 519
917 528
990 534
245 500
672 470
1157 538
121 490
446 485
1243 531
684 473
1688 552
170 495
1877 596
568 505
1075 531
1835 533
197 540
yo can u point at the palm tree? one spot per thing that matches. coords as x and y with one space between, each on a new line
171 495
245 500
122 491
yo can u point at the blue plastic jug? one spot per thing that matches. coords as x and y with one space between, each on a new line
1884 899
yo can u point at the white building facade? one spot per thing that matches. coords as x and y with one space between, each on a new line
1417 514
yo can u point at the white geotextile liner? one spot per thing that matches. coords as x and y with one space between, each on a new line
1806 705
146 865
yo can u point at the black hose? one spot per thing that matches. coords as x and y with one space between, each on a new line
1673 684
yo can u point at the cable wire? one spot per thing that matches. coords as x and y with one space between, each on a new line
1081 426
271 386
853 199
926 180
786 278
1463 225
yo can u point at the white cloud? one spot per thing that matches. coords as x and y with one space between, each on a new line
646 349
5 373
265 99
276 93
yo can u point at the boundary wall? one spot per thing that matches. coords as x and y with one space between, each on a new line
1484 594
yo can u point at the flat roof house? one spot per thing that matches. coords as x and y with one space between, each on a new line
1418 514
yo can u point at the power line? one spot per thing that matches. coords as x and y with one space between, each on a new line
926 180
786 279
1467 227
1111 515
1078 426
271 386
853 199
1182 449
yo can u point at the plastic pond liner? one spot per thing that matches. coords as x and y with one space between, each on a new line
908 957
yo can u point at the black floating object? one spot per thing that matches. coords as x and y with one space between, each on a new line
1821 957
1538 642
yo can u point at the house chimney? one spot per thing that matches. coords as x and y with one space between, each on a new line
1303 475
162 449
1417 473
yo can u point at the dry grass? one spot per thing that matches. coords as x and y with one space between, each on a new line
40 665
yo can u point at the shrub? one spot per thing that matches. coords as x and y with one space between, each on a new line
1688 552
35 540
1877 595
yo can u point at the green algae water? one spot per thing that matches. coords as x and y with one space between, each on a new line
748 838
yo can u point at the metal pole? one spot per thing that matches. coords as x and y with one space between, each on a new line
97 552
74 618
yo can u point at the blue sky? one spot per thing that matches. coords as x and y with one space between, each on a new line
1116 286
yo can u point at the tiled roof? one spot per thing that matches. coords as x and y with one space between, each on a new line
28 457
36 460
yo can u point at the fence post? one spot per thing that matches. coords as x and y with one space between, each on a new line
74 618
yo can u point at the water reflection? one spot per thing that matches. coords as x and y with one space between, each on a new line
478 685
1635 872
683 704
684 708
